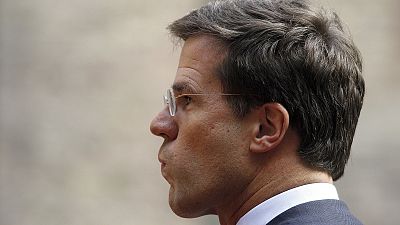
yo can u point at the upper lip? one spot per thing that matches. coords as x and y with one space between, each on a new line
160 158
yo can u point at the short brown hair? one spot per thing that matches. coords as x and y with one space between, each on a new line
284 51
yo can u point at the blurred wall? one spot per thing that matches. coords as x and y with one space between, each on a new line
80 81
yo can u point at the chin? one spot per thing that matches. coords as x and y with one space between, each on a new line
185 213
187 208
190 213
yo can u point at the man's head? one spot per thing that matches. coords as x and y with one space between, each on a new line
255 80
283 51
202 156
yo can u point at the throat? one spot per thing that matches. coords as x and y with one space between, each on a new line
263 188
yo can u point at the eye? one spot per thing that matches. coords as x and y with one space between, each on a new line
187 99
184 99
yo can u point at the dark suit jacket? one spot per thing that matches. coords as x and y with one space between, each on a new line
322 212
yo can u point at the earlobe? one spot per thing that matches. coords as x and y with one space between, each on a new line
273 122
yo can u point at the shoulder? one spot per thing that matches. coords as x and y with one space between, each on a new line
321 212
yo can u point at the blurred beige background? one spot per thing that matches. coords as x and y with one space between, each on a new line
80 81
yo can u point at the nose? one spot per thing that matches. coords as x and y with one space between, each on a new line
164 125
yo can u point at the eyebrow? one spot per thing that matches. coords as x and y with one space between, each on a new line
182 87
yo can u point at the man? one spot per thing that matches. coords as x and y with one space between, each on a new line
260 118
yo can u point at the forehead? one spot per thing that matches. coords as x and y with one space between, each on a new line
198 63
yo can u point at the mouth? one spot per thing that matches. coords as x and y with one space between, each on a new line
164 172
162 161
163 167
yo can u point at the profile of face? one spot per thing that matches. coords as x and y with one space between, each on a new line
204 156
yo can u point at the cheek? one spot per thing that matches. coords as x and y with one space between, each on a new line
203 143
209 150
207 164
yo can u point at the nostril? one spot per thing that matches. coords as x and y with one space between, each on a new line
163 135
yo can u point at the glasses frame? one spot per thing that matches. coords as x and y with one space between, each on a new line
170 99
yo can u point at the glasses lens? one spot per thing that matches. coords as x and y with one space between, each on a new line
171 102
165 100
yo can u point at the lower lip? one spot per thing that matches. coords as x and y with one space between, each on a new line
163 168
164 172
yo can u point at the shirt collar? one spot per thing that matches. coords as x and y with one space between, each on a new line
269 209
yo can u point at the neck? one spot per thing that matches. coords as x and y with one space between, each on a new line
283 172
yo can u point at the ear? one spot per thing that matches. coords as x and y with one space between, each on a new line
273 123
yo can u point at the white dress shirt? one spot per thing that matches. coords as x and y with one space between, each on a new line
271 208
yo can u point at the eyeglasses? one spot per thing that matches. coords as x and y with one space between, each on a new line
170 99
